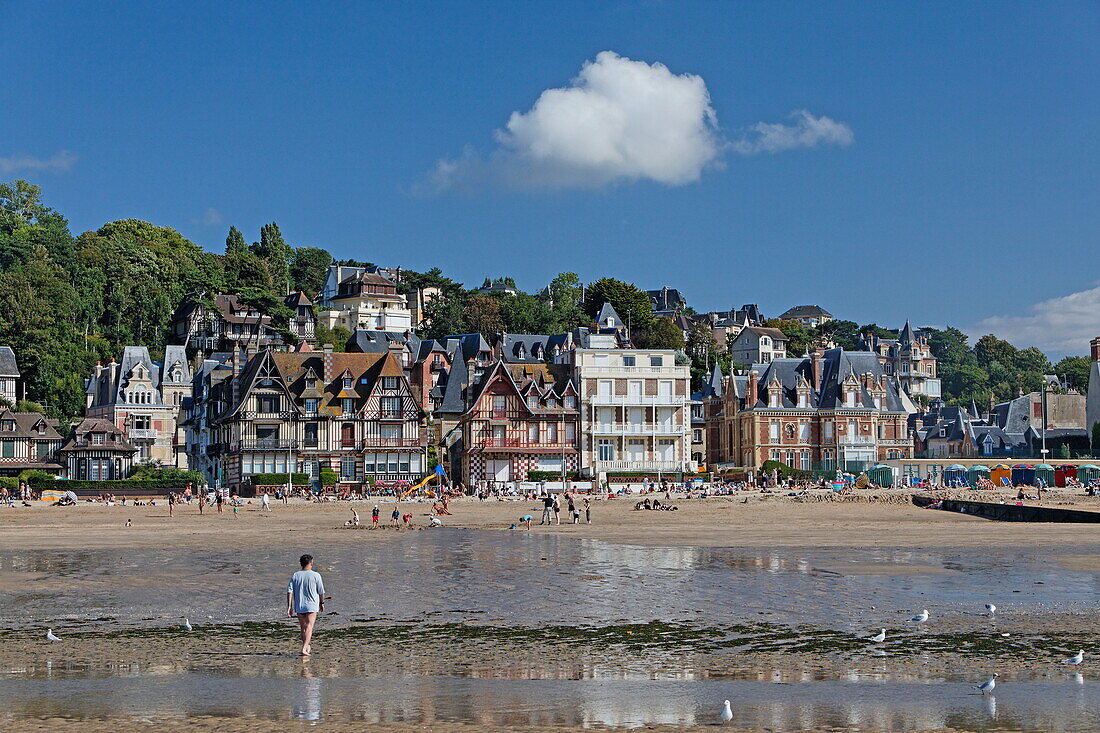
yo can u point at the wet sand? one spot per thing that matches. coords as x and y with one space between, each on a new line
959 648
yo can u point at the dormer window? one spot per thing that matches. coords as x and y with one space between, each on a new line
8 426
98 438
347 382
850 398
311 405
773 398
390 382
570 401
803 400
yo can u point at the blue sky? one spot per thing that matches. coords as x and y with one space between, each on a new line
966 194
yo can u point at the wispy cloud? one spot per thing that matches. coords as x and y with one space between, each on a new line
210 217
806 131
60 161
1062 325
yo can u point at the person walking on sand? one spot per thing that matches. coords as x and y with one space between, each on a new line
219 499
265 503
557 510
374 513
202 501
587 510
395 516
171 503
305 598
572 506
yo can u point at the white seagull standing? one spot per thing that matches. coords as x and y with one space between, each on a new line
186 625
50 636
727 712
987 687
921 617
879 637
1076 658
990 609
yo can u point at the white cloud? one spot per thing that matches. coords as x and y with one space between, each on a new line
806 131
619 120
210 217
1063 325
60 161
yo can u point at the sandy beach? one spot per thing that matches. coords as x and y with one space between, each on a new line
856 543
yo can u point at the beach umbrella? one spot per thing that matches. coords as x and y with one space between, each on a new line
1023 474
954 475
881 475
1045 474
976 473
1088 473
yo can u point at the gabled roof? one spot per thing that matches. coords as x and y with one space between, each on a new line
116 439
773 333
607 312
26 424
366 341
713 387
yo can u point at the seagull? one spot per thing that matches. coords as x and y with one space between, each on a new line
50 636
879 637
727 713
1076 658
920 618
990 609
987 687
187 625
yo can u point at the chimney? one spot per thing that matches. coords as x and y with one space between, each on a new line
1095 344
817 358
752 393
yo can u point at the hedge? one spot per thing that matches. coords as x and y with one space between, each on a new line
784 470
329 477
534 475
9 482
278 479
108 487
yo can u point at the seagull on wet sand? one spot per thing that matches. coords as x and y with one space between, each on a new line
879 637
50 636
187 625
1076 658
920 618
990 609
727 713
987 687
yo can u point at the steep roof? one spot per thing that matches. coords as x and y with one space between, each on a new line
26 425
8 365
713 387
805 311
607 312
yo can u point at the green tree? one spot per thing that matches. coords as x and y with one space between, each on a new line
276 254
1075 370
483 315
798 337
309 268
631 303
844 334
662 333
234 242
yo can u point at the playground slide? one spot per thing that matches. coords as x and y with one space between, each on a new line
420 485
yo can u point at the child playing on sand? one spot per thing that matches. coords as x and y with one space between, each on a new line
374 515
526 520
395 517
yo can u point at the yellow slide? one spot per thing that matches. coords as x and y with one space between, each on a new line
419 485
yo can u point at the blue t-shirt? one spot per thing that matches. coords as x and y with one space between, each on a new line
306 591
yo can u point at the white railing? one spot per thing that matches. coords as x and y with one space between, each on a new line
142 433
636 429
672 372
642 465
620 399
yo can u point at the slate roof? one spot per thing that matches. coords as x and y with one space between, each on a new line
367 341
519 348
805 311
666 299
26 424
116 440
607 312
713 387
8 365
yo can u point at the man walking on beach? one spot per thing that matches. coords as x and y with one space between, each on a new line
305 597
547 509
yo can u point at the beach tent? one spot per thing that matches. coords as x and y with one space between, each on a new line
1001 474
1044 473
977 472
1023 474
1064 474
1088 473
954 475
881 475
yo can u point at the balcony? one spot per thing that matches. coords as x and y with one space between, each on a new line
142 434
642 465
637 400
637 429
264 444
523 444
666 371
251 415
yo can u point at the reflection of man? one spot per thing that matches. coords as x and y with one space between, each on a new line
305 597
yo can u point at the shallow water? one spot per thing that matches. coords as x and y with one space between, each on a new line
564 629
518 578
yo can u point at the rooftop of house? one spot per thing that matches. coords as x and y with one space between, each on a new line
8 365
805 311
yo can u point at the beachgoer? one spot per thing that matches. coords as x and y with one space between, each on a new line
171 503
557 510
265 503
587 510
202 501
235 507
573 511
305 597
354 518
547 509
219 499
407 519
374 513
395 517
435 521
526 520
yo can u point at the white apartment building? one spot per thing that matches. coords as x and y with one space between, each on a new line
369 301
635 411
